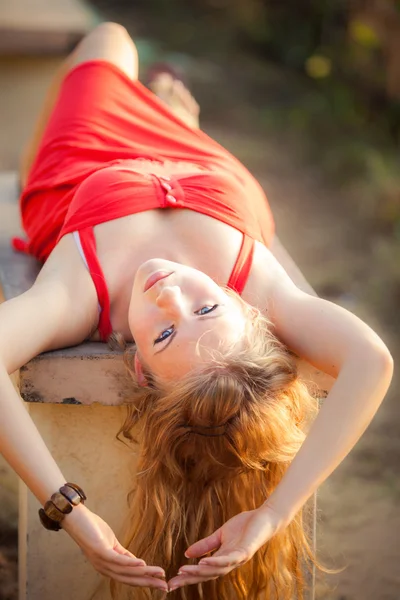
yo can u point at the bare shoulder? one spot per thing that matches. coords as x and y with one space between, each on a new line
59 310
272 266
66 272
315 329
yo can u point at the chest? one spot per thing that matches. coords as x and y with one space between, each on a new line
185 236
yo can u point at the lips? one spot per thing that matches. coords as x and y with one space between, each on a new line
155 277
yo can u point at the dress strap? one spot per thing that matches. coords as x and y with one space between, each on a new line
241 270
20 245
88 244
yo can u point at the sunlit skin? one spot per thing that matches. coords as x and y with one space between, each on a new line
179 318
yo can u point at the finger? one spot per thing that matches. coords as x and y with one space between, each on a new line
130 571
232 559
138 581
203 571
119 548
205 545
121 559
180 581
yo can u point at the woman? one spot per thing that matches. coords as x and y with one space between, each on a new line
222 413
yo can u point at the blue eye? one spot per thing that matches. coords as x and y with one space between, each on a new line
164 335
206 309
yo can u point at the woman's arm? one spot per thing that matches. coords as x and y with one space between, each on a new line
36 321
340 344
59 310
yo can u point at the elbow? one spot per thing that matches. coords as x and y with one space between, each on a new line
372 358
381 360
386 366
387 362
382 354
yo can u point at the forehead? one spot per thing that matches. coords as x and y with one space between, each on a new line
191 348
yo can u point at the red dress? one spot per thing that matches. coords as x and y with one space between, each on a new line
85 173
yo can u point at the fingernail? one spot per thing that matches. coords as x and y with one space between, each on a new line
203 562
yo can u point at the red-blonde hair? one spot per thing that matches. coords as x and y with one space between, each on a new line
188 485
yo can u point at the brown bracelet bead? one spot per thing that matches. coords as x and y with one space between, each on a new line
52 512
47 522
61 503
78 489
70 494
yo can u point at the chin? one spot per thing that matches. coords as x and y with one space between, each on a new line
154 263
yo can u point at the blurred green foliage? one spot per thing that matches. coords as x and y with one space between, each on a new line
349 113
355 45
352 48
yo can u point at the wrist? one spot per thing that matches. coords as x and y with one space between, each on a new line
61 504
277 513
80 512
80 509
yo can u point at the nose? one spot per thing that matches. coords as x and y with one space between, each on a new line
170 299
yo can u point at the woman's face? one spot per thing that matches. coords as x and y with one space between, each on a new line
176 313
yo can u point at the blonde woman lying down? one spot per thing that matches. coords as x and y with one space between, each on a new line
151 232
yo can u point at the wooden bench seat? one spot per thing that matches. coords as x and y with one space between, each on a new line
75 397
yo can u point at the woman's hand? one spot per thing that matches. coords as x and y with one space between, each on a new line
236 542
100 546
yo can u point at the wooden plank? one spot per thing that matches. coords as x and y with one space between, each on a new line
17 271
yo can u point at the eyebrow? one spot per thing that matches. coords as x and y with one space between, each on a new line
171 337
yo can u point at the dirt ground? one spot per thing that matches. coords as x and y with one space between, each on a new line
321 226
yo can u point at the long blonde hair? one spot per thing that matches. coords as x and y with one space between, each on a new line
189 484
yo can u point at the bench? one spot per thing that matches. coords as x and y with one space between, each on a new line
43 26
75 397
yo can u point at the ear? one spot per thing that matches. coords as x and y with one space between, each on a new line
141 378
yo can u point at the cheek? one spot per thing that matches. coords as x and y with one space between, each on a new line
139 321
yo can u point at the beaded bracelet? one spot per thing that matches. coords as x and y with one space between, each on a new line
60 504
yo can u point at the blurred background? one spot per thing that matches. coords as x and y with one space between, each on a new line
306 93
